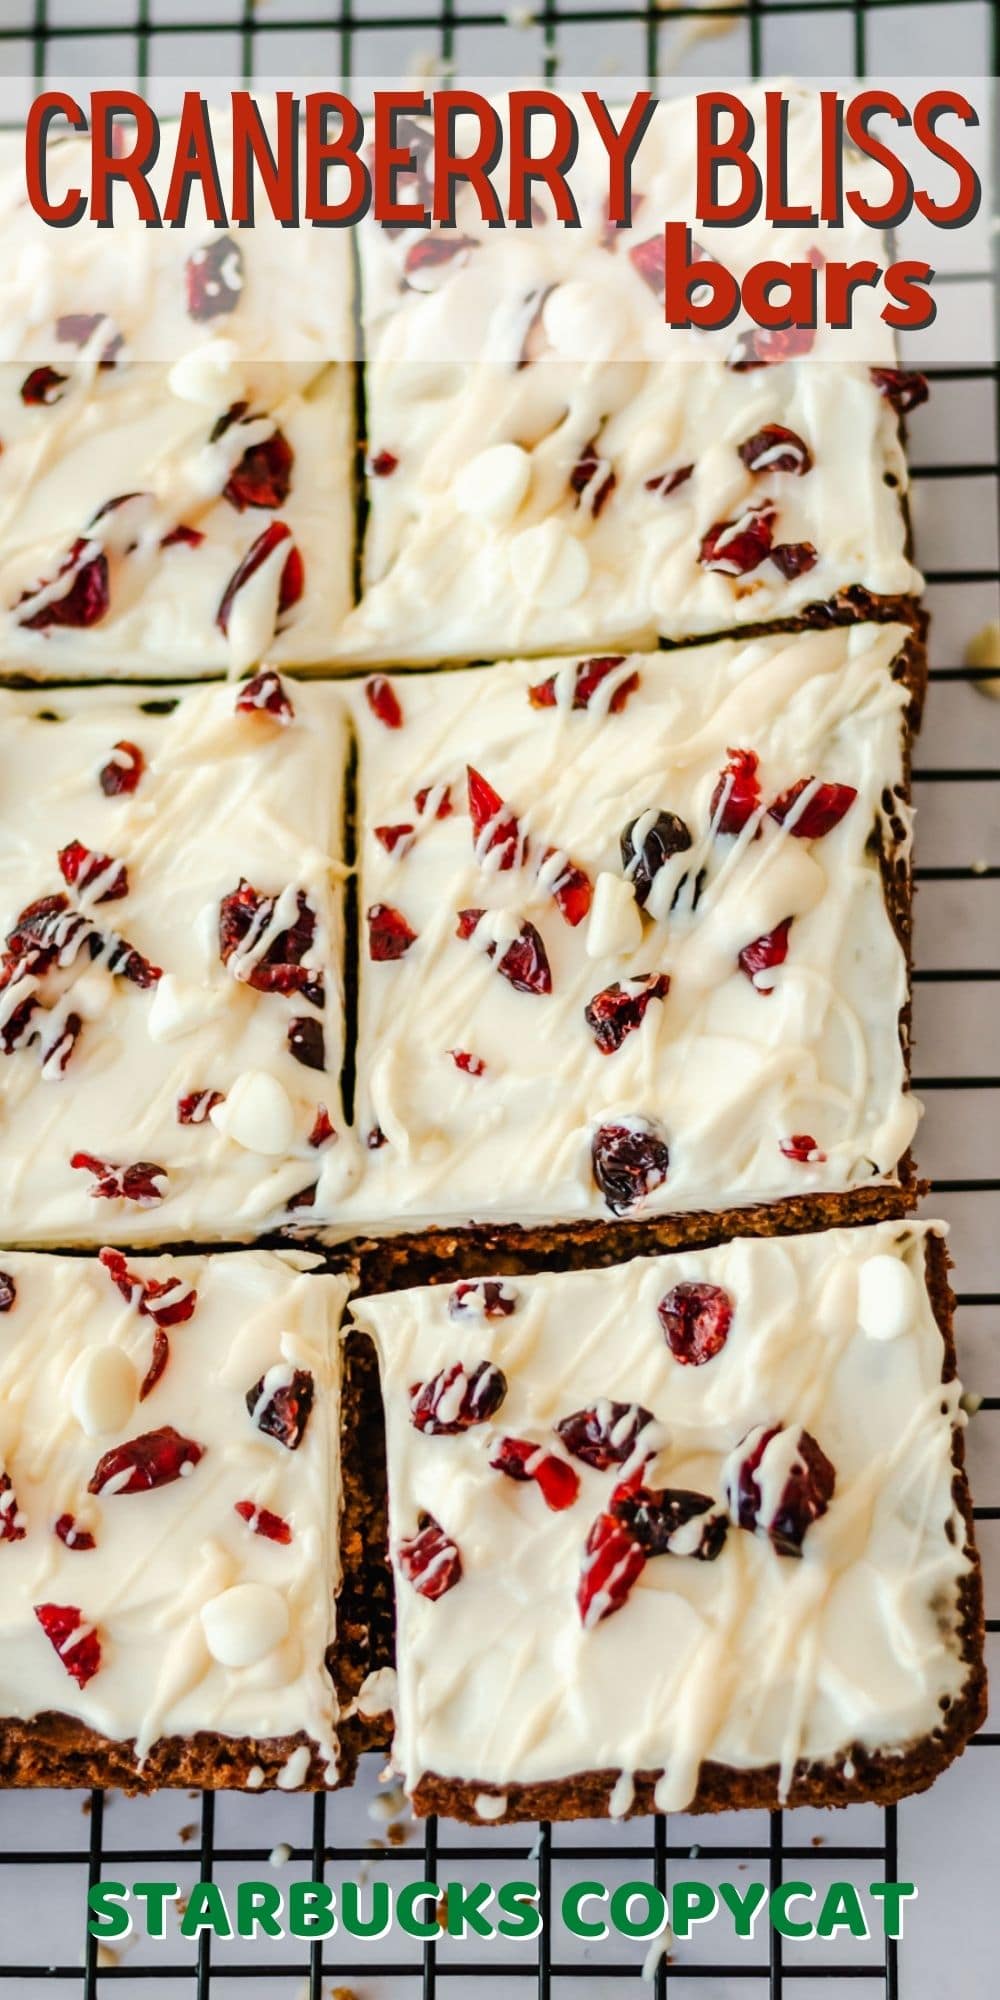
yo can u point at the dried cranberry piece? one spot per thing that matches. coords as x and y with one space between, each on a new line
427 253
306 1198
158 1362
901 387
376 1139
138 1183
495 829
658 838
775 449
8 1292
607 1433
572 889
143 1463
525 962
430 1559
457 1398
261 1521
322 1131
197 1106
592 479
43 386
13 1527
123 770
18 1029
650 260
556 1481
82 604
292 575
213 278
389 934
794 559
168 1301
802 1146
482 1298
393 837
283 1412
82 869
383 701
823 811
737 793
182 537
658 1517
306 1042
764 954
807 1487
444 807
463 1059
127 963
695 1319
629 1162
613 1561
78 1539
618 1010
76 1642
42 931
762 346
588 677
667 482
383 464
263 476
266 694
733 548
76 328
245 914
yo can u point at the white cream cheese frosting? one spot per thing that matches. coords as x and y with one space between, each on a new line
546 458
751 1659
205 1602
158 417
222 1073
480 1101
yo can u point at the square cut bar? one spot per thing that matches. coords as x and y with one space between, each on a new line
177 416
550 466
634 944
172 1516
171 1009
688 1533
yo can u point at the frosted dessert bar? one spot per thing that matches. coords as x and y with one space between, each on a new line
633 942
171 1520
687 1533
171 1011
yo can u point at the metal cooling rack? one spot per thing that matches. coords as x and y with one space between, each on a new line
48 1853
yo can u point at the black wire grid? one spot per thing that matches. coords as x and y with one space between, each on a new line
647 1849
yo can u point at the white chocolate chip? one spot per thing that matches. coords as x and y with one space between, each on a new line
244 1624
549 565
102 1390
178 1007
493 484
257 1114
887 1298
615 926
209 375
583 322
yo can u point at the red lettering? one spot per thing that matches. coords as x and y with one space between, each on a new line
50 105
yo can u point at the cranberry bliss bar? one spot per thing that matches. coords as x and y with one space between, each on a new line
170 1505
691 1532
633 942
171 1013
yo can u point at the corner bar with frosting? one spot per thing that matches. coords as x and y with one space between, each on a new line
686 1533
633 945
172 1513
171 1008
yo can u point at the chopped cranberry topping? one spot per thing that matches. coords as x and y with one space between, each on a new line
244 918
430 1560
123 770
168 1301
661 1518
43 386
78 1539
794 559
155 1459
775 449
213 278
612 1563
525 962
8 1292
322 1131
83 870
43 931
667 482
182 537
283 1412
429 252
12 1522
389 934
463 1059
383 464
76 328
376 1139
588 677
695 1319
306 1198
629 1162
266 694
292 575
764 954
400 836
482 1298
143 1183
807 1485
592 479
76 1642
572 889
660 837
263 476
822 812
556 1481
383 701
197 1106
495 829
83 603
762 346
261 1521
802 1146
901 387
733 548
606 1434
18 1030
737 793
56 1053
618 1010
457 1398
444 807
306 1042
650 260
